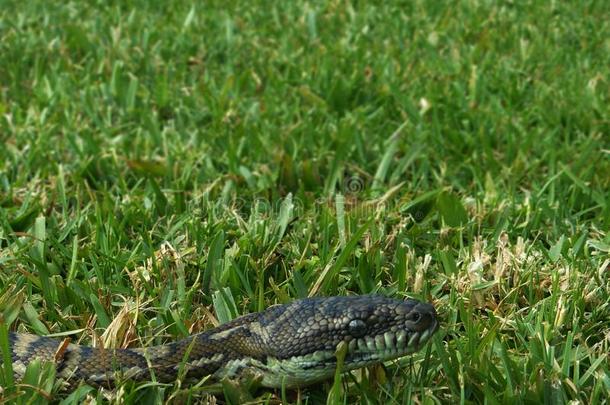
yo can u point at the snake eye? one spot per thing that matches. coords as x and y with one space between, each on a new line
357 328
414 317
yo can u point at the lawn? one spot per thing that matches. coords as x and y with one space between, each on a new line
168 166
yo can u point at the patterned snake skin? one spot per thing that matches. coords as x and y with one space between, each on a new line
290 345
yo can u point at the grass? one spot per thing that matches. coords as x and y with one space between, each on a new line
169 166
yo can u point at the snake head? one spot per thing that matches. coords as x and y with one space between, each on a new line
304 336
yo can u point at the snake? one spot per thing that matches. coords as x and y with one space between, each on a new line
291 345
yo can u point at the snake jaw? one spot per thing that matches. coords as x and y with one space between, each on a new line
389 346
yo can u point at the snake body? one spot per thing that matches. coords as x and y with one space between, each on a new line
291 345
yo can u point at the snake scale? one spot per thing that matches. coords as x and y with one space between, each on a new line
291 345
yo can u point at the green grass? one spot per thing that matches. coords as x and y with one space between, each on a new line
167 167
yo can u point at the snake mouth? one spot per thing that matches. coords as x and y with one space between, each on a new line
362 352
388 346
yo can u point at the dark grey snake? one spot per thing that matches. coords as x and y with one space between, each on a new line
290 345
